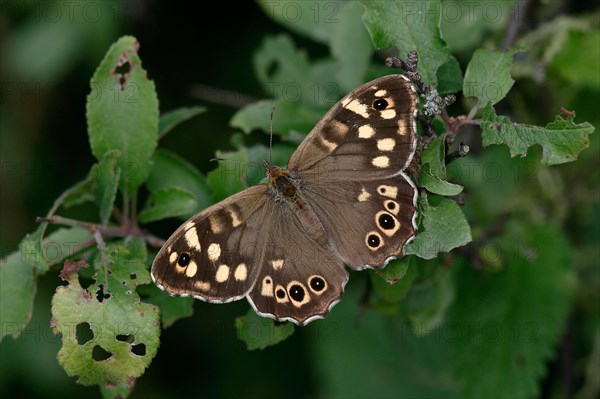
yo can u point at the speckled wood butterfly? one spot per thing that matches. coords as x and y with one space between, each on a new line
343 199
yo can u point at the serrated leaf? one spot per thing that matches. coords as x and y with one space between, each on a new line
122 112
561 140
450 79
124 330
260 332
171 308
409 25
169 170
18 277
538 273
175 117
315 20
444 227
288 118
351 47
488 76
168 203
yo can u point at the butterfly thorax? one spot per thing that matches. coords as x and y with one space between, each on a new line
281 182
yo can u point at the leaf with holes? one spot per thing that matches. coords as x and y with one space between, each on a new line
259 332
122 112
109 336
561 140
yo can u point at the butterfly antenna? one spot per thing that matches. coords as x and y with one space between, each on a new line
271 135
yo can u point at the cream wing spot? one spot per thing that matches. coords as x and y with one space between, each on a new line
386 144
328 144
267 287
280 294
173 257
364 195
392 206
402 128
215 225
277 264
358 108
365 132
214 251
189 225
388 191
381 162
191 269
339 129
381 93
388 114
345 101
222 274
202 285
235 220
191 237
241 272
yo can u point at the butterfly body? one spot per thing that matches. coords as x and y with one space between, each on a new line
343 199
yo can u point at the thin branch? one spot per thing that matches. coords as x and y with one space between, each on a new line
517 16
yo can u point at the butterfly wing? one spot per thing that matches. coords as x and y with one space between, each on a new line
213 256
251 245
352 167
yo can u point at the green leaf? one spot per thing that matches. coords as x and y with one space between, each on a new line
282 69
168 203
175 117
124 331
450 79
18 276
260 332
393 282
171 308
122 112
409 25
429 301
119 391
444 228
291 121
17 290
432 175
435 185
105 176
169 170
351 47
245 168
561 140
488 76
537 273
32 251
315 20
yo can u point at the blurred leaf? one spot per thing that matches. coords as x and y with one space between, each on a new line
287 118
315 20
105 176
427 305
561 140
350 46
283 70
576 66
435 185
260 332
450 79
171 308
119 391
537 273
122 112
444 228
124 331
167 203
18 276
393 282
407 26
175 117
488 76
169 170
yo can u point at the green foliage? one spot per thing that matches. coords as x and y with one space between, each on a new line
259 332
476 306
